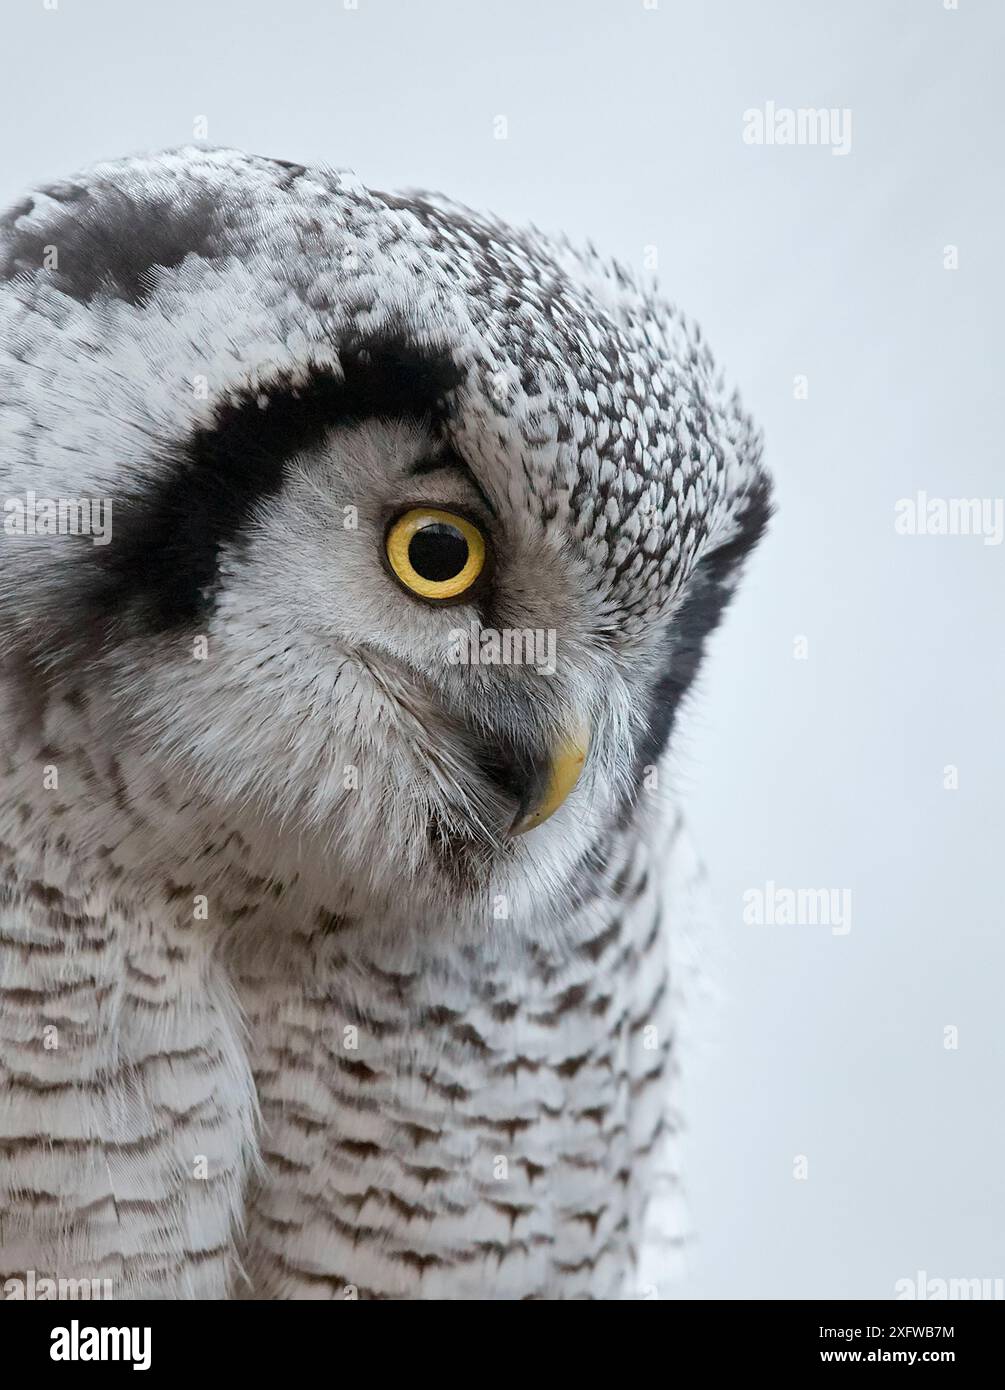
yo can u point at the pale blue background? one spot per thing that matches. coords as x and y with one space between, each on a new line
625 125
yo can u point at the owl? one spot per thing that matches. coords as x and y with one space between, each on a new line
358 554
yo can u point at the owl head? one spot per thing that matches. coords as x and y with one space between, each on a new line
380 528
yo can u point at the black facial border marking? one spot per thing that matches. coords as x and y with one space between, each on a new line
709 589
108 243
163 563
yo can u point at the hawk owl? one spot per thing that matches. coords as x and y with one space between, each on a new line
344 883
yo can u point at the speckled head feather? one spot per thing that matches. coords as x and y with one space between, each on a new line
259 366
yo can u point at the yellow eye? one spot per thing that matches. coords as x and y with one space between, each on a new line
435 554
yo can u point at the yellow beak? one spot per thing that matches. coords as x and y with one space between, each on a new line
566 765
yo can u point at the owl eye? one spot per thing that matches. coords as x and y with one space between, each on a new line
435 554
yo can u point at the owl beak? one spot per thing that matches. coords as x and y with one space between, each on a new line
567 762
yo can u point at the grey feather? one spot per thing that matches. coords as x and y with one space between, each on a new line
285 1010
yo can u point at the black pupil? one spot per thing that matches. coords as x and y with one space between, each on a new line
438 552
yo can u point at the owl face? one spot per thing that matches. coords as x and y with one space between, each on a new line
418 525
